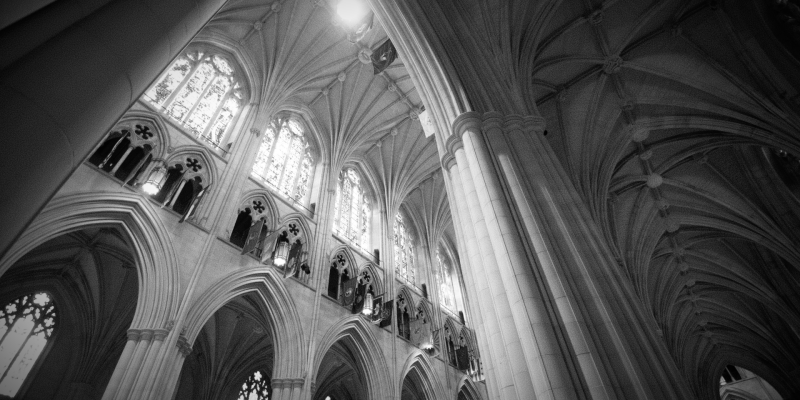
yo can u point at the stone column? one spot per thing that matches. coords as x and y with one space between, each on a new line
136 375
124 360
169 388
66 90
513 381
553 269
481 309
287 388
133 369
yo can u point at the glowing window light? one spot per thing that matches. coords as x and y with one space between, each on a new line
29 322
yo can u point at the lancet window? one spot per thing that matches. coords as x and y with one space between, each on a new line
26 325
256 387
284 158
444 277
351 210
403 251
200 90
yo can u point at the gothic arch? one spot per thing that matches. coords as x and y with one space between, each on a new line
369 174
271 212
156 261
468 389
155 121
203 155
359 337
350 262
418 368
377 283
285 326
241 62
315 133
408 294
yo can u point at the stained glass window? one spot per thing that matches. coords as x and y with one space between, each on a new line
26 324
256 387
201 91
403 251
444 278
351 211
284 160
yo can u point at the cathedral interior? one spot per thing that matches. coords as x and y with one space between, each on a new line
400 200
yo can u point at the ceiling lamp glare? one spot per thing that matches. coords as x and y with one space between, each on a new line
352 12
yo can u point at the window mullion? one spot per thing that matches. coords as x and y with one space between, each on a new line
286 159
296 177
200 98
275 138
183 83
16 355
214 117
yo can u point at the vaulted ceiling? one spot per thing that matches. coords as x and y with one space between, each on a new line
303 62
665 114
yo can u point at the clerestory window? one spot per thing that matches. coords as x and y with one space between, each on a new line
444 277
351 209
256 387
284 159
201 91
403 251
26 325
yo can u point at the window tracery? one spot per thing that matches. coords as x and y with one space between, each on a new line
284 159
28 323
256 387
201 91
351 209
403 251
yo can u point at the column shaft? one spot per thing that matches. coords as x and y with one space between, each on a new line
67 92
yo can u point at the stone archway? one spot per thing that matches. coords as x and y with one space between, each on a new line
262 295
351 342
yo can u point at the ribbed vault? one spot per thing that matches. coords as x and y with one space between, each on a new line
673 120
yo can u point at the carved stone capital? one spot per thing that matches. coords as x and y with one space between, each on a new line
160 334
147 334
467 121
183 345
448 161
134 334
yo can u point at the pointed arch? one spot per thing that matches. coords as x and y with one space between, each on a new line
302 224
377 283
319 147
359 337
156 261
468 389
408 294
349 259
418 368
179 155
270 212
243 63
285 326
371 176
156 122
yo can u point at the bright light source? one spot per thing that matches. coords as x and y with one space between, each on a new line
154 181
367 309
352 12
281 254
